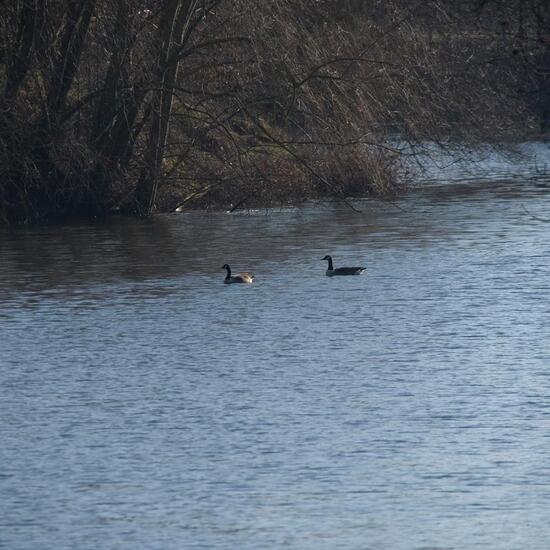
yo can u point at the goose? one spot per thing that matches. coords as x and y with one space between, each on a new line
342 270
244 277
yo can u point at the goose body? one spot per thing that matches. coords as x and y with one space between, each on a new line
244 277
331 272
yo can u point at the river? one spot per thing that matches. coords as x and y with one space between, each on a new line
146 405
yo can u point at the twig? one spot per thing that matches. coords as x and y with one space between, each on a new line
546 220
241 202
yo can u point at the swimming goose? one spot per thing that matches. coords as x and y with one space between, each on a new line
342 270
244 277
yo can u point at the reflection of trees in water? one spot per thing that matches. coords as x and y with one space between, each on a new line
80 253
168 245
197 242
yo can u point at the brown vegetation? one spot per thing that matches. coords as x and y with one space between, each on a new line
144 105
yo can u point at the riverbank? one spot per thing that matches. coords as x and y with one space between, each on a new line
430 165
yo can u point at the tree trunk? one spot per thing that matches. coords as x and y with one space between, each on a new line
117 108
30 13
176 18
79 14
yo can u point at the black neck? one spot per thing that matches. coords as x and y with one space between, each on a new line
330 263
228 269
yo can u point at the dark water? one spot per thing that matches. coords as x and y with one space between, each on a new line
144 404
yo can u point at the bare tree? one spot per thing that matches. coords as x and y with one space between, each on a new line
175 22
145 105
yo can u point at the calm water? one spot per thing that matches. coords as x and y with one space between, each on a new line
146 405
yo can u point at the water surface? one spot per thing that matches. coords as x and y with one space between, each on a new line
144 404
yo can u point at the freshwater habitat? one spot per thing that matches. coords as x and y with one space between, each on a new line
145 404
